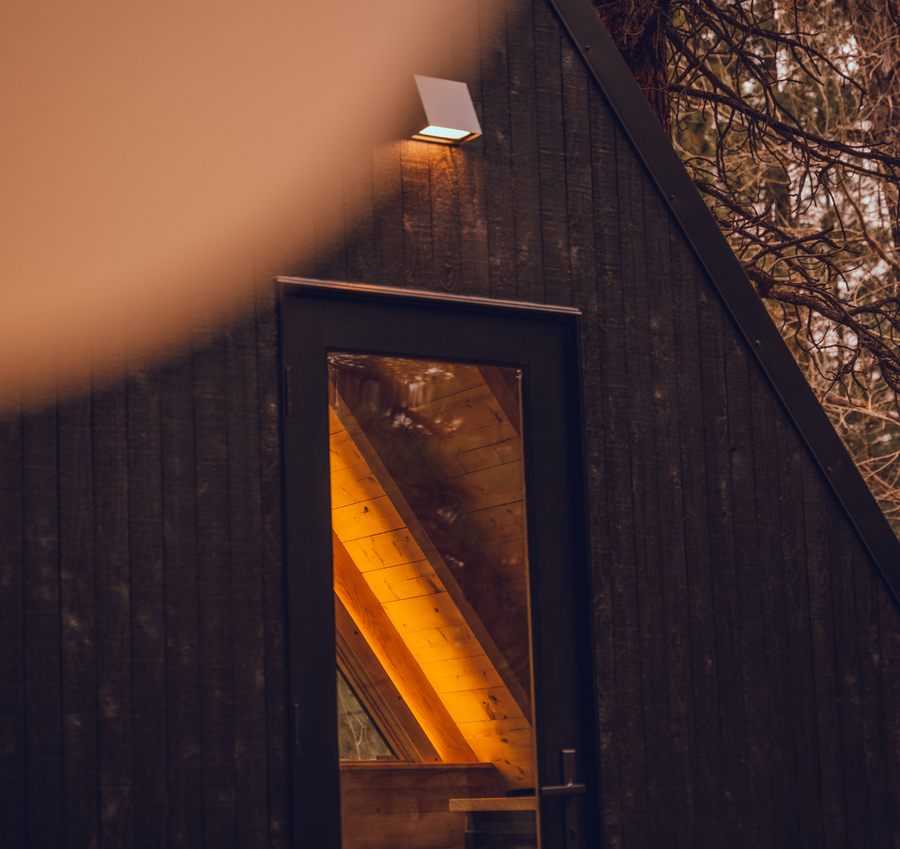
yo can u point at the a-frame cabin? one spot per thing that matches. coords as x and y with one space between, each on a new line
734 635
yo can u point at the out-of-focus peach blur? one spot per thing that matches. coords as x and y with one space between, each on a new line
146 146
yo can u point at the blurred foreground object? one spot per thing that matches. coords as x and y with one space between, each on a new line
150 151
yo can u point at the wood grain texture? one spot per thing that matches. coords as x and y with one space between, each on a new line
503 803
498 157
148 613
215 603
602 336
704 656
184 824
115 733
397 805
78 626
549 105
248 618
521 61
13 706
272 558
42 626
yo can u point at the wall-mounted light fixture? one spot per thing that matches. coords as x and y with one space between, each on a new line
444 112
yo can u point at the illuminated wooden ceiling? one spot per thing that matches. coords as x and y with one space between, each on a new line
430 558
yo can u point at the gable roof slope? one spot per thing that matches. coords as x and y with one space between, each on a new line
728 277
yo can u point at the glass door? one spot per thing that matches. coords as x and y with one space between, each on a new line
428 516
438 642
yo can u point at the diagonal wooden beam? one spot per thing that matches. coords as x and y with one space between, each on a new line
471 582
397 660
377 692
502 383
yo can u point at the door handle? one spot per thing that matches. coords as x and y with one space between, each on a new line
568 770
570 788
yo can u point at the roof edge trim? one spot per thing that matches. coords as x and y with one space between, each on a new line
728 277
335 288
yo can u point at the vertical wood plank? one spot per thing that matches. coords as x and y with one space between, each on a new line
184 788
872 734
114 672
679 803
720 493
579 189
551 156
469 159
631 754
847 675
389 214
603 335
78 635
13 707
418 256
498 172
43 693
889 635
800 688
359 201
705 658
214 589
148 612
763 754
823 645
636 216
271 557
523 133
787 720
248 639
445 217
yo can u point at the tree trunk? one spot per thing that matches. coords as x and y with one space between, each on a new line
876 27
637 28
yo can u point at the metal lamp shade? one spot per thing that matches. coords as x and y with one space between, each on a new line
445 113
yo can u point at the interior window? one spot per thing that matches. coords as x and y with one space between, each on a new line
431 595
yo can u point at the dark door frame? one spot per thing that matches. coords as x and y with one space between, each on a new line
318 317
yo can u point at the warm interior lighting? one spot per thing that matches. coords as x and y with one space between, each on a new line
444 133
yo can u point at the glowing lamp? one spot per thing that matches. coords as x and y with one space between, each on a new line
444 112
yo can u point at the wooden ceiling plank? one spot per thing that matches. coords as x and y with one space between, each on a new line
490 487
505 523
466 411
364 519
352 485
342 452
503 383
408 580
479 705
471 673
420 614
375 626
380 551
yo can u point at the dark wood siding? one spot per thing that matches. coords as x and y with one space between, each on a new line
142 633
747 653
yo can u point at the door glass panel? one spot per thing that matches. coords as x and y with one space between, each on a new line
359 738
431 604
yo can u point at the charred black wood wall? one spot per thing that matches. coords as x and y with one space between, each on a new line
141 664
747 654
